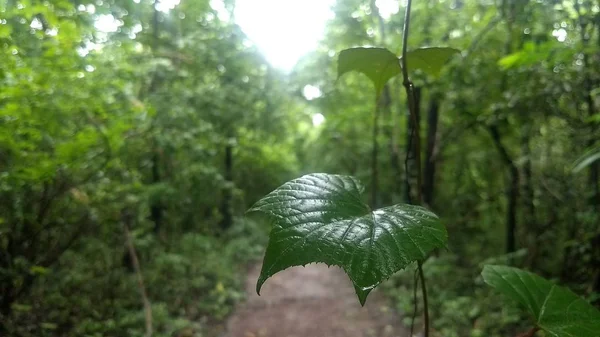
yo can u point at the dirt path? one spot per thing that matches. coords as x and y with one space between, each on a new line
315 301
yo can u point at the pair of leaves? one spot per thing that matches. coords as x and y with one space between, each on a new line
380 64
555 309
321 218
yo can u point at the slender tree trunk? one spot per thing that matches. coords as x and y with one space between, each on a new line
226 204
411 148
594 168
383 107
430 161
6 304
156 209
535 230
138 271
375 158
512 193
395 162
508 9
528 192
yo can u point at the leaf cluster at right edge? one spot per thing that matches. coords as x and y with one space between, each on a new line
555 309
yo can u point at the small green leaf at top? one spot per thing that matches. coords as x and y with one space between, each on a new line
321 218
379 64
555 309
430 60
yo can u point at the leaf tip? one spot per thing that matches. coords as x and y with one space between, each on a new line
259 285
362 294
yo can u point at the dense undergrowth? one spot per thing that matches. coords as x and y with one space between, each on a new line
194 282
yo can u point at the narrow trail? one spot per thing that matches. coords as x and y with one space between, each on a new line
315 301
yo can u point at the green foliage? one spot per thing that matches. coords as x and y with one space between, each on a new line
553 308
320 218
102 129
460 303
429 60
193 284
134 124
378 64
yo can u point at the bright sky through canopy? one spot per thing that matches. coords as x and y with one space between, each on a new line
284 30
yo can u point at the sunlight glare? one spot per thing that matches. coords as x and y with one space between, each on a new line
283 30
166 5
106 23
219 7
387 8
311 92
560 34
318 119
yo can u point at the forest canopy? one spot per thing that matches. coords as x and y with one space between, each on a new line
135 134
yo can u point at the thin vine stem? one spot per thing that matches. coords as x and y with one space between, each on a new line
425 301
415 304
410 93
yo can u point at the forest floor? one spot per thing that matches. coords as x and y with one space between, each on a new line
315 301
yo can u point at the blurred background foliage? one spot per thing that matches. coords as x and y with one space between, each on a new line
167 127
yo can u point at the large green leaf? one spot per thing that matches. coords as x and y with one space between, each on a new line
430 60
321 218
587 159
555 309
379 64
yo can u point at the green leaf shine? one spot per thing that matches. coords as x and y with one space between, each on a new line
430 60
321 218
555 309
378 64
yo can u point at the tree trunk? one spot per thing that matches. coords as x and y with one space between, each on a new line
395 165
138 271
411 148
588 25
374 157
512 193
430 161
535 229
156 210
528 193
226 204
383 104
508 10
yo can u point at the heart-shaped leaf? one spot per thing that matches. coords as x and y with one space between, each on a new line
555 309
379 64
430 60
321 218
